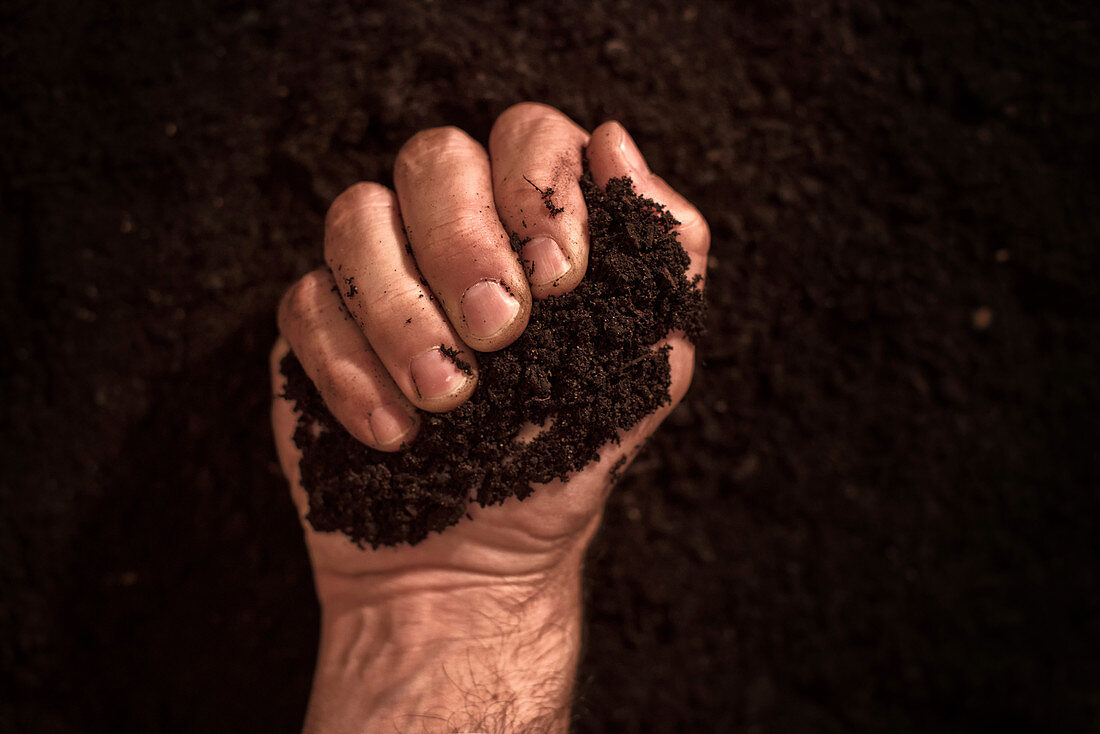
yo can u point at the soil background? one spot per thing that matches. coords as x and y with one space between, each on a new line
878 508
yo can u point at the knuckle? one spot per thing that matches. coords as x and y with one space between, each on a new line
432 143
525 110
524 114
540 127
356 201
390 298
459 233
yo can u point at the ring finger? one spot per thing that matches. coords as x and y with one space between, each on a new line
366 250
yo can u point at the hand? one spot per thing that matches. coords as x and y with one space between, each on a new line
432 265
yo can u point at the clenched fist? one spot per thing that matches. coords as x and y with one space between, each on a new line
419 281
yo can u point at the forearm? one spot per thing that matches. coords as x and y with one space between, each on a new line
453 655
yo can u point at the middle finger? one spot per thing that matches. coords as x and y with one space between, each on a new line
444 186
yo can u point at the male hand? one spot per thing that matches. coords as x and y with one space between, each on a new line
431 264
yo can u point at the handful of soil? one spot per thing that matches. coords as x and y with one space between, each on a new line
584 369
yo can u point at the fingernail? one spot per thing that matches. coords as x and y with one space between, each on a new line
488 308
389 424
632 155
435 375
546 261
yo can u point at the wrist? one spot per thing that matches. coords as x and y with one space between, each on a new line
481 560
448 651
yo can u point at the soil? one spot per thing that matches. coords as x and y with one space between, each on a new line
584 370
876 510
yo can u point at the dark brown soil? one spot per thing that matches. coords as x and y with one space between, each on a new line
584 369
878 508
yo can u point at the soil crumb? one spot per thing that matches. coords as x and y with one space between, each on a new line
584 369
547 196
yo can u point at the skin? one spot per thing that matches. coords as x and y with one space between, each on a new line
476 628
